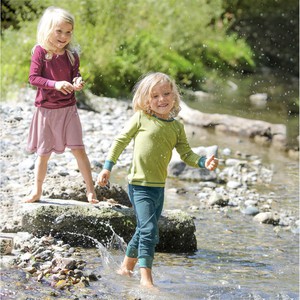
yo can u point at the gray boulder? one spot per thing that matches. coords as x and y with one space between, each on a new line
82 224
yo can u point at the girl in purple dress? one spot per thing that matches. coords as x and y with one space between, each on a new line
54 71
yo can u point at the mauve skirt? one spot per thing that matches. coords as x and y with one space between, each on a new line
52 130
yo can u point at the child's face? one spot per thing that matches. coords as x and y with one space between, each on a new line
61 35
162 100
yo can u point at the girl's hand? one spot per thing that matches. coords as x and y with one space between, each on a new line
211 163
78 83
103 177
64 86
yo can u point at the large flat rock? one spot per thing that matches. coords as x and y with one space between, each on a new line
81 224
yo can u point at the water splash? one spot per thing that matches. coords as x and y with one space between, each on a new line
106 258
116 242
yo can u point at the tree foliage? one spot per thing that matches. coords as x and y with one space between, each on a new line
121 40
271 29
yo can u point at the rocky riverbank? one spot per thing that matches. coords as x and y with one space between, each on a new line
231 186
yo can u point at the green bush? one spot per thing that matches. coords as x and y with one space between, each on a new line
121 40
15 58
222 53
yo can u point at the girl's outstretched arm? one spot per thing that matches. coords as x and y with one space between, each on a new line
211 163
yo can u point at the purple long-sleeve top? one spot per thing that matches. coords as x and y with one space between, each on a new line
44 73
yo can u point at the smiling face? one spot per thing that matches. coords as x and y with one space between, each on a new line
162 100
61 36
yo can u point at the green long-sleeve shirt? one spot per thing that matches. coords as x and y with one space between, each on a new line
154 140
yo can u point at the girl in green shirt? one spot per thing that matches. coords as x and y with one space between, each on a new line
155 133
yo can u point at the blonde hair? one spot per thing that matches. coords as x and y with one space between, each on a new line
143 89
51 17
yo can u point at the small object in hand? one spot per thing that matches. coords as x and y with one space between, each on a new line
78 80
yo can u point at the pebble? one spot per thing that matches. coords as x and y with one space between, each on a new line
250 210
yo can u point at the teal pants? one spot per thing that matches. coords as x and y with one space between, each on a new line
148 204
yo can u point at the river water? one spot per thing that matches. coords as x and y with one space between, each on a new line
236 258
231 95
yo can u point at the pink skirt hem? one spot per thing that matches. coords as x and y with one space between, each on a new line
52 130
43 153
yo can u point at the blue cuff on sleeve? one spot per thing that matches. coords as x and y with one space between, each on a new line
201 162
108 165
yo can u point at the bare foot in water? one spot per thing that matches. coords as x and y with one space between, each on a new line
149 285
125 272
91 197
32 198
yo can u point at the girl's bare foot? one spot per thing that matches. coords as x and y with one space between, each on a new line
149 285
127 266
32 198
91 197
125 272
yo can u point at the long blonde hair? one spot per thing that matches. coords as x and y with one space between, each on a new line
51 17
143 89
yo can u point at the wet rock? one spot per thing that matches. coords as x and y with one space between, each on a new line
64 263
250 210
92 276
267 218
217 199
